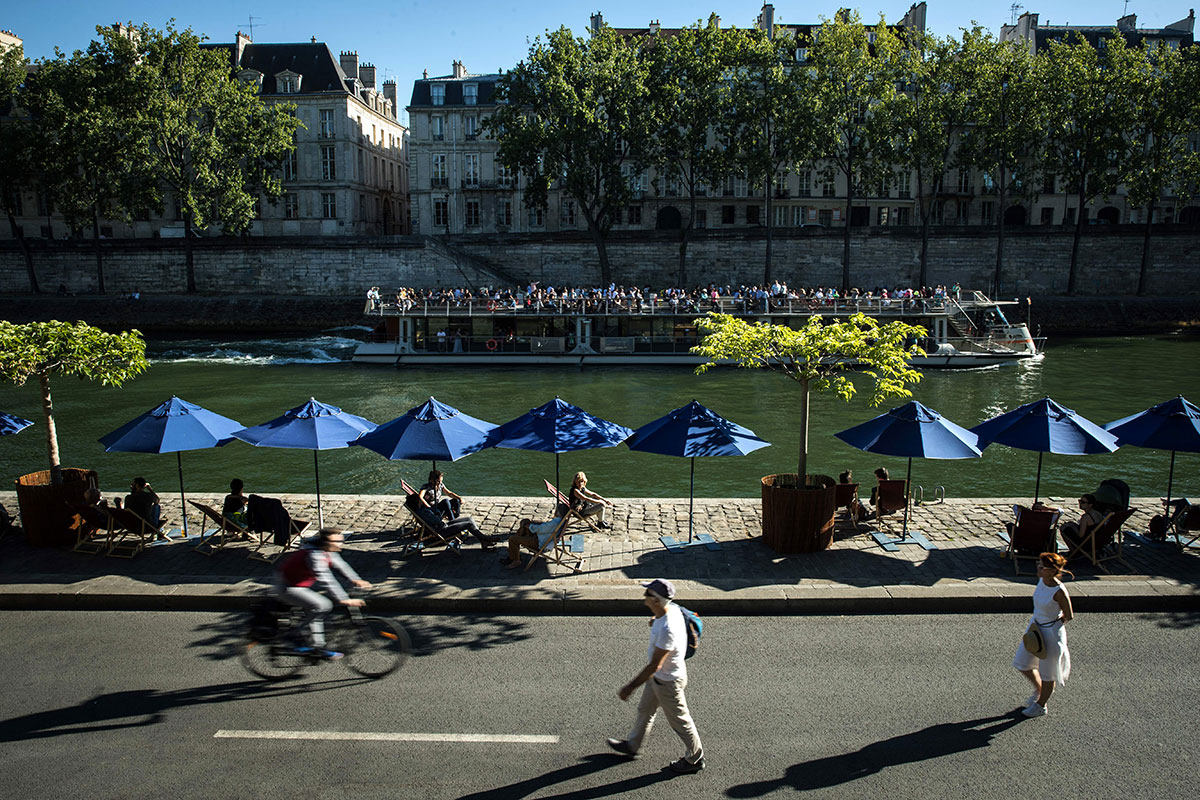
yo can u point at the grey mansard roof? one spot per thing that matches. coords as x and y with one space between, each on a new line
315 62
454 91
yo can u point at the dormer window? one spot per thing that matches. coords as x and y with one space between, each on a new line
287 82
252 77
470 93
437 94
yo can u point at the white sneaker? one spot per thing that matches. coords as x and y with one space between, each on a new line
1033 698
1034 710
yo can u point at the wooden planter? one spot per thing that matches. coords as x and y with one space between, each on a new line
796 520
45 508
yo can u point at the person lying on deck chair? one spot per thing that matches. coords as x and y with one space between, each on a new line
429 516
527 536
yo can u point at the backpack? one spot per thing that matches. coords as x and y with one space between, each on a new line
695 629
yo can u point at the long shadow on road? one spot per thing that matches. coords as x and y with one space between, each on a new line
590 765
932 742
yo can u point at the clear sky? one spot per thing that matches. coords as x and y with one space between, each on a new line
403 37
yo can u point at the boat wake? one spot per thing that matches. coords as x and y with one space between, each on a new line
312 350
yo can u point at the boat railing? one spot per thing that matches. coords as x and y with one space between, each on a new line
872 306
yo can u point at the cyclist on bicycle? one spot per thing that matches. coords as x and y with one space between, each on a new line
296 576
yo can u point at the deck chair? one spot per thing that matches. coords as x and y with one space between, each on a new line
846 496
128 532
1184 524
1103 541
1035 532
572 516
262 510
425 527
892 497
213 540
560 547
90 525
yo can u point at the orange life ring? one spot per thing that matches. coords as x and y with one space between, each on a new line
492 305
492 344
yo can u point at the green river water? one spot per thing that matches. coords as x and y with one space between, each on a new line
253 381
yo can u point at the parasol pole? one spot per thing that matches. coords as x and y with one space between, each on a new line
183 500
907 496
557 482
1037 487
317 473
691 499
1170 481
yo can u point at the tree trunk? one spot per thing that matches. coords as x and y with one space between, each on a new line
802 469
925 219
189 256
96 247
767 266
19 235
846 234
1002 197
684 235
601 253
51 432
1072 271
1145 270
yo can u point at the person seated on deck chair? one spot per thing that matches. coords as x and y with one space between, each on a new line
527 536
856 508
881 474
234 507
142 500
586 502
446 507
416 502
1075 532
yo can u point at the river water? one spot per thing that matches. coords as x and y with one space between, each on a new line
253 381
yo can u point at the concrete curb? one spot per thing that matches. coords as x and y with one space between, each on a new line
117 593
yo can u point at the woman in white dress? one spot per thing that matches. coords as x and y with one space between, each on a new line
1051 612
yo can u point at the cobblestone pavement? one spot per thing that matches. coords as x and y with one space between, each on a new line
967 561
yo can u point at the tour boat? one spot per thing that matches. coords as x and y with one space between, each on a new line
969 332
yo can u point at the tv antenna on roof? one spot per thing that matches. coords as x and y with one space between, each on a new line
1126 12
250 24
1015 7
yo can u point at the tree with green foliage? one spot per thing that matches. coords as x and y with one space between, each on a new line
689 89
210 138
820 357
1165 84
44 349
1006 125
929 115
578 112
773 125
91 163
1090 104
17 150
855 82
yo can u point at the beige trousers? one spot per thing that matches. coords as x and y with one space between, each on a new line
669 697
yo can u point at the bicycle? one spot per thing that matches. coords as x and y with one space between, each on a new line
372 646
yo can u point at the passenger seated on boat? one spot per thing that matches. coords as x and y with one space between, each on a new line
1075 532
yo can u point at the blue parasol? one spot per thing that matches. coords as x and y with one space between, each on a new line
10 424
1046 427
432 430
311 426
1171 425
172 427
559 427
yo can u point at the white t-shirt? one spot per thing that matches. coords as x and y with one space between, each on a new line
669 632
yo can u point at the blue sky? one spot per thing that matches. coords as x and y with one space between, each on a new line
403 37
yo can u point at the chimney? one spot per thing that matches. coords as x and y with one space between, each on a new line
239 46
460 71
349 62
597 22
314 40
367 73
1127 23
389 92
424 74
654 26
717 20
766 20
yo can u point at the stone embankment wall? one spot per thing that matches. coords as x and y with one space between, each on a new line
1035 263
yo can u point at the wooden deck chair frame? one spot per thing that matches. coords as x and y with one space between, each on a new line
892 497
296 529
1035 530
573 514
846 496
1111 528
124 525
1185 525
89 538
555 548
426 533
212 541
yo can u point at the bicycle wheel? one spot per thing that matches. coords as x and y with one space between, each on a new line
376 647
272 660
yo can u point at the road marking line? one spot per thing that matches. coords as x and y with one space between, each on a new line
367 736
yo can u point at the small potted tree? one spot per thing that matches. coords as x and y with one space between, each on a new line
43 349
798 509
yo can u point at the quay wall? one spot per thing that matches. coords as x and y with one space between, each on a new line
1036 261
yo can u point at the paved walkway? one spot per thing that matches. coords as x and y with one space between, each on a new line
965 572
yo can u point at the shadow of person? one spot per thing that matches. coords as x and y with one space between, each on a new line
932 742
588 765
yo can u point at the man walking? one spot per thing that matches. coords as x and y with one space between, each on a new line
665 677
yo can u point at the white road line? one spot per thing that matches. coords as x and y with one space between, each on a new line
360 736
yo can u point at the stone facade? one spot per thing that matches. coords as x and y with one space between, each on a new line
1036 260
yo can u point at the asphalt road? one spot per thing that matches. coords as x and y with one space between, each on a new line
100 705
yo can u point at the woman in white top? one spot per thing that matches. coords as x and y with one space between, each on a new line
1051 612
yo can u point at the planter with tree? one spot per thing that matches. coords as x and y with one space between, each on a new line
40 350
821 357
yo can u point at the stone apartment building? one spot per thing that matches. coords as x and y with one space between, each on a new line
348 174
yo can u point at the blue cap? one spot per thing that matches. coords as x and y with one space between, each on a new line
663 588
